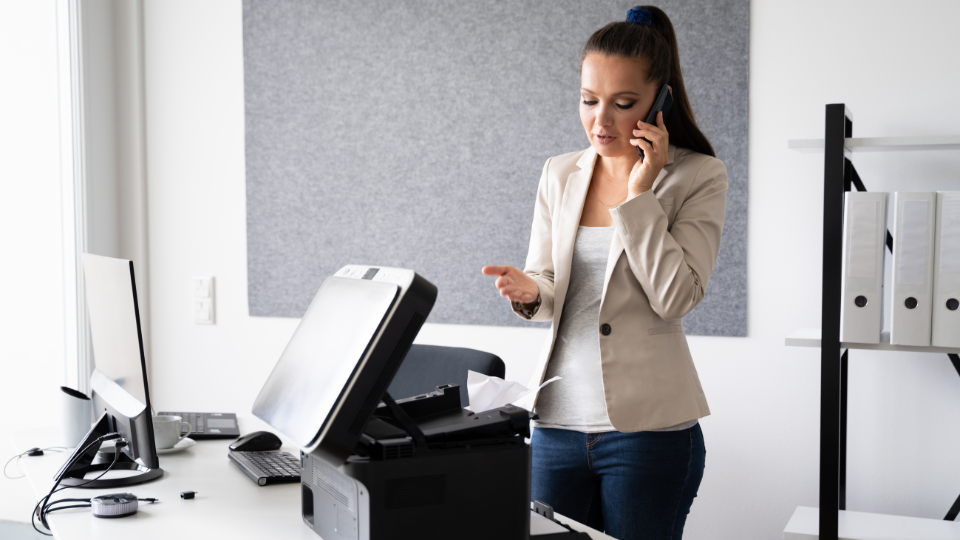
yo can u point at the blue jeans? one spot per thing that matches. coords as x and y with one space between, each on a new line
629 485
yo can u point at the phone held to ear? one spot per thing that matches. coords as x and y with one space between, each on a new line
663 103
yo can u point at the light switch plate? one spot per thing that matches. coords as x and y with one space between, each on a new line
203 300
203 287
203 311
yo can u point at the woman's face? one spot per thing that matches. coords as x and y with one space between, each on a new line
614 97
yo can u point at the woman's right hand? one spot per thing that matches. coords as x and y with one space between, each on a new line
513 283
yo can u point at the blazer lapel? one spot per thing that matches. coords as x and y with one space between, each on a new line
571 208
616 248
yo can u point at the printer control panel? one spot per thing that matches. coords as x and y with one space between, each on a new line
398 276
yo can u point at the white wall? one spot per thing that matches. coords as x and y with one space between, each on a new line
31 277
895 68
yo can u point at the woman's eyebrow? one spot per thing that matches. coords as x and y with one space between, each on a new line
624 93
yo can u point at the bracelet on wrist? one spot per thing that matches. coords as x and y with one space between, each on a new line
528 310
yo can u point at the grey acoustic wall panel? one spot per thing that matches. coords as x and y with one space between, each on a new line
413 134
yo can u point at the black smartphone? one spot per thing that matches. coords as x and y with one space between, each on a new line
663 103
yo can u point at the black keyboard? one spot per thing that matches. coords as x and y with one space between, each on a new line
209 425
267 468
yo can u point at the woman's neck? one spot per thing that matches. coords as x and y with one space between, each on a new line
616 168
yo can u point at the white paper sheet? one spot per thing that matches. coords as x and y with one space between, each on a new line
492 392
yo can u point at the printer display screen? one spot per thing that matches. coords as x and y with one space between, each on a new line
323 353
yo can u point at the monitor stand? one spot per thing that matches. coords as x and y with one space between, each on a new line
94 460
101 464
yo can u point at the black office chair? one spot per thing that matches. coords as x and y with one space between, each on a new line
428 366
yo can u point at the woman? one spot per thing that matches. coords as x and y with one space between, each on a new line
620 250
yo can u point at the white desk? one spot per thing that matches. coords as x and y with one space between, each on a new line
228 504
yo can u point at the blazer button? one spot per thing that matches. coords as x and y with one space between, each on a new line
605 329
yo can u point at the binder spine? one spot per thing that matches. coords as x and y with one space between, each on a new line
864 233
946 270
913 254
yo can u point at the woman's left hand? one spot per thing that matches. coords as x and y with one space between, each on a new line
645 171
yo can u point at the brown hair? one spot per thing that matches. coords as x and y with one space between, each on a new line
657 44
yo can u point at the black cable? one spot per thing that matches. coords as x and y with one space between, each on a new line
76 456
53 507
88 505
70 463
116 455
40 509
69 500
55 504
20 455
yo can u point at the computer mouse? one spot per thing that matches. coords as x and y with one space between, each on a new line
256 441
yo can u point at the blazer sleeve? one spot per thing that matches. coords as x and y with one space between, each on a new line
673 264
539 265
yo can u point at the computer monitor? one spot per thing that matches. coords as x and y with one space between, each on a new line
121 394
342 357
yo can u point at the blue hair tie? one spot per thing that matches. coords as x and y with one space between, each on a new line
640 15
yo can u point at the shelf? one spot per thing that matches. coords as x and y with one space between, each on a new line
840 176
810 337
863 526
881 144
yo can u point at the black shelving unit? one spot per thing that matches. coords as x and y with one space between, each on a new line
839 176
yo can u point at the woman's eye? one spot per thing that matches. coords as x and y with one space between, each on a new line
621 106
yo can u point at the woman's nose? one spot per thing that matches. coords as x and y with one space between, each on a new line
604 116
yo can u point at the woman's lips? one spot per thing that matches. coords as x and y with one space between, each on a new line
604 140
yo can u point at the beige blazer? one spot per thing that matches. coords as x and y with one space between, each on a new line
660 261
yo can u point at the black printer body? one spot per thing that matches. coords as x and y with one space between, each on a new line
468 478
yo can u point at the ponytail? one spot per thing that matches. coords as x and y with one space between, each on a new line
648 34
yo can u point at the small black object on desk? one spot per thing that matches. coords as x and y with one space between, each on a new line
188 494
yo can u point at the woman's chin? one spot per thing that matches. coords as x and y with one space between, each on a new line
608 152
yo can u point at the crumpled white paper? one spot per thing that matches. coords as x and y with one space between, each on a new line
488 392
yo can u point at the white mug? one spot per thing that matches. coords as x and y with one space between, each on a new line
166 430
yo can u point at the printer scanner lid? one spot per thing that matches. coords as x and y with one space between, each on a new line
342 357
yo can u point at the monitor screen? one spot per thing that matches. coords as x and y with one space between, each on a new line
324 352
114 324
